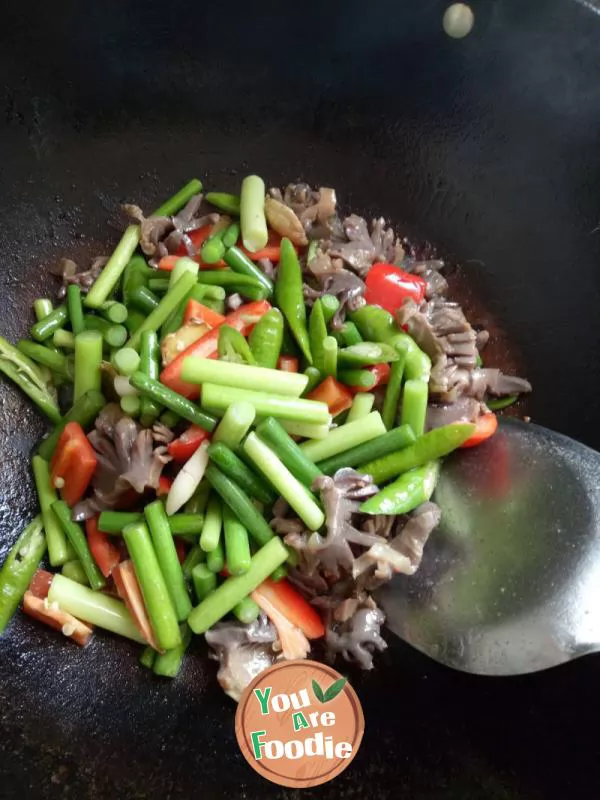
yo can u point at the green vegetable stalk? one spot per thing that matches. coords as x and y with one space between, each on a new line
233 590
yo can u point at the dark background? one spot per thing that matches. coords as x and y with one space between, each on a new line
488 147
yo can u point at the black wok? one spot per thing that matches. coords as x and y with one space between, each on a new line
488 147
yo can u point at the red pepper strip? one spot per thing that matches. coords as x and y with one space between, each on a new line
74 461
131 594
389 286
167 263
337 396
197 312
105 553
382 376
181 550
197 238
40 583
164 486
290 603
287 363
485 426
57 618
190 440
243 320
272 250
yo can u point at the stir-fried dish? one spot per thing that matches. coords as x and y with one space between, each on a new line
255 396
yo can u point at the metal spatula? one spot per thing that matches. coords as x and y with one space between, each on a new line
510 581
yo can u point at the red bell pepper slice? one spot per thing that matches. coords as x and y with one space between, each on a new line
382 376
181 550
290 603
288 363
164 486
272 249
40 583
106 554
197 312
485 426
389 286
197 238
167 263
243 320
129 591
58 619
190 440
73 462
337 396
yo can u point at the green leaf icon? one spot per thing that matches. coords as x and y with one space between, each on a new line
335 688
318 691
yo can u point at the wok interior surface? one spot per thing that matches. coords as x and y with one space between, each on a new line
488 147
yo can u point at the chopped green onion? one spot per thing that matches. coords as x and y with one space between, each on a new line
247 610
131 405
219 398
114 311
233 590
88 360
243 376
79 543
59 549
167 397
225 202
168 664
305 430
184 265
388 442
75 309
362 405
271 432
213 521
330 354
46 327
235 424
286 484
188 479
42 307
63 339
179 199
343 438
330 305
96 608
166 553
237 544
126 360
144 299
204 580
252 214
152 583
168 304
414 405
108 278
